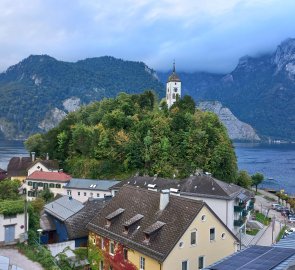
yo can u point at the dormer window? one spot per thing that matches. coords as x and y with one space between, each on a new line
132 221
113 215
152 229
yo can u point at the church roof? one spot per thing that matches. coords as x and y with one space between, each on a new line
173 77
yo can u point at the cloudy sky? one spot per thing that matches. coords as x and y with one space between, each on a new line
208 35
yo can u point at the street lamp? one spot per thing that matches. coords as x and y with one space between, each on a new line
39 232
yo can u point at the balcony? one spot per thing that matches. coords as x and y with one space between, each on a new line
239 208
245 213
238 223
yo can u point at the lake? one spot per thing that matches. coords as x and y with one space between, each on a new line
275 161
10 149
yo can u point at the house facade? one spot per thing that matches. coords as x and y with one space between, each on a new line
40 180
43 165
84 189
13 222
230 202
142 229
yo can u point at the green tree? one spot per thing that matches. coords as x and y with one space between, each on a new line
46 195
35 144
9 189
257 179
244 179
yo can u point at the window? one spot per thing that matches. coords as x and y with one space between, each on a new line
173 96
69 192
85 193
51 185
112 248
97 195
184 265
40 184
58 185
101 265
45 185
203 218
93 240
142 263
38 167
181 244
201 262
175 89
91 194
125 253
193 238
30 183
212 234
78 193
35 184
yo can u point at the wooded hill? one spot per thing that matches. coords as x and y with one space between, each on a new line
116 138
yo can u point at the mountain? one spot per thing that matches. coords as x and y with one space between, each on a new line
237 130
260 91
36 93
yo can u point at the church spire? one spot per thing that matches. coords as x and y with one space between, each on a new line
174 66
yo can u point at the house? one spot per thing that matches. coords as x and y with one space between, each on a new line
3 174
17 168
13 222
65 219
258 258
43 165
83 189
143 229
230 202
40 180
20 167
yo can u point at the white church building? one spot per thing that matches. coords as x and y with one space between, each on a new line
173 88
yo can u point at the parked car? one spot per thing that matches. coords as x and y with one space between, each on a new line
292 219
275 205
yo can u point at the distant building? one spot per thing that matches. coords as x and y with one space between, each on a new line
20 167
40 180
142 229
173 88
12 222
83 189
230 202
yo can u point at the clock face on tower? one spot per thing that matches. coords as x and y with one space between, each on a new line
175 89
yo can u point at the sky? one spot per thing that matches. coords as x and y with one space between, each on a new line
201 35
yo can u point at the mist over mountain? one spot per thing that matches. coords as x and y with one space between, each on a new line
259 91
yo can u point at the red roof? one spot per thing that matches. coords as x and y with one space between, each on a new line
49 176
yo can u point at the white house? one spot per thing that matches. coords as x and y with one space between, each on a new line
230 202
12 222
40 180
43 165
83 189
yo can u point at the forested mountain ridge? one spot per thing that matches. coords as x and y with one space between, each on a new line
259 91
116 138
41 88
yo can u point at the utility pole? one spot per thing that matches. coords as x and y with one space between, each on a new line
26 219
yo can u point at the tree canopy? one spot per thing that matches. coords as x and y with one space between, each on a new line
115 138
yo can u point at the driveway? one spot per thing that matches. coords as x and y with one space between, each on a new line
19 260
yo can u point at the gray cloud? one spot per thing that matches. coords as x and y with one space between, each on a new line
201 35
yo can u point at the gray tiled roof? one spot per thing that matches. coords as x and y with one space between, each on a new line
199 185
76 224
177 216
63 207
78 183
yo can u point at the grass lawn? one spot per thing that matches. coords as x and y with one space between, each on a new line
262 219
252 231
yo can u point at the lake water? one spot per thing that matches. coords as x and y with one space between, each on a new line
275 161
10 149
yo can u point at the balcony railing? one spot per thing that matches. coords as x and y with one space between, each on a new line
245 213
238 223
239 208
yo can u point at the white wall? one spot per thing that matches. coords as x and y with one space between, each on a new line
224 209
19 221
81 197
35 168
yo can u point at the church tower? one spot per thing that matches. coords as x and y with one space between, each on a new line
173 88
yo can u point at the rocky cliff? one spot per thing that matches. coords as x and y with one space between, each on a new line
237 130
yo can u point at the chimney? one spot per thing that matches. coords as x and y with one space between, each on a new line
164 199
47 156
33 156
